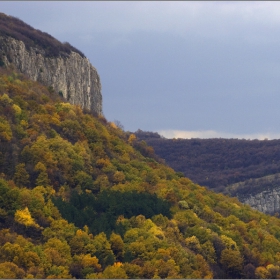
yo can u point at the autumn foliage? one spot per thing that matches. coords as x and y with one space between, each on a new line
80 198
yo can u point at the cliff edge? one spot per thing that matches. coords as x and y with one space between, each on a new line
44 59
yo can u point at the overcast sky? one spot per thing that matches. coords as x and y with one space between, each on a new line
183 69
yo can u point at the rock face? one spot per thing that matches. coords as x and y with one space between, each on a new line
69 74
267 201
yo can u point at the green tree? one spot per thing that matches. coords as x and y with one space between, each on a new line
21 177
84 180
42 179
103 250
58 252
232 262
5 131
193 244
114 272
117 246
9 198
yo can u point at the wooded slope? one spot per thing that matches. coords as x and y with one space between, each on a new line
80 198
217 163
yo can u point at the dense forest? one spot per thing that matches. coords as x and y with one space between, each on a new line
80 198
254 186
218 163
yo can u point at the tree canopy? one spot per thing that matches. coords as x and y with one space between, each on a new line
81 198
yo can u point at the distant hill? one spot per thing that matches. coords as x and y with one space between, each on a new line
237 167
80 198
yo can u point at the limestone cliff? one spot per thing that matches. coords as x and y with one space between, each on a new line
68 71
262 193
267 201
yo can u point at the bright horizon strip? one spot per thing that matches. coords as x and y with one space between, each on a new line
207 134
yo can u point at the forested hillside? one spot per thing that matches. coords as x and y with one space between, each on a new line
217 163
80 198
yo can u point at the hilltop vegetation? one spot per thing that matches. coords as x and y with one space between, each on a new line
217 163
19 30
80 198
254 186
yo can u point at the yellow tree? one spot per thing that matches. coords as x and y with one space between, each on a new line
24 217
9 270
131 138
115 271
84 265
261 273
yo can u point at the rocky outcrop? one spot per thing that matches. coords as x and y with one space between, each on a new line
267 201
69 74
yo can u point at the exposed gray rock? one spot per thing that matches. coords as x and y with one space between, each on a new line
70 74
267 201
